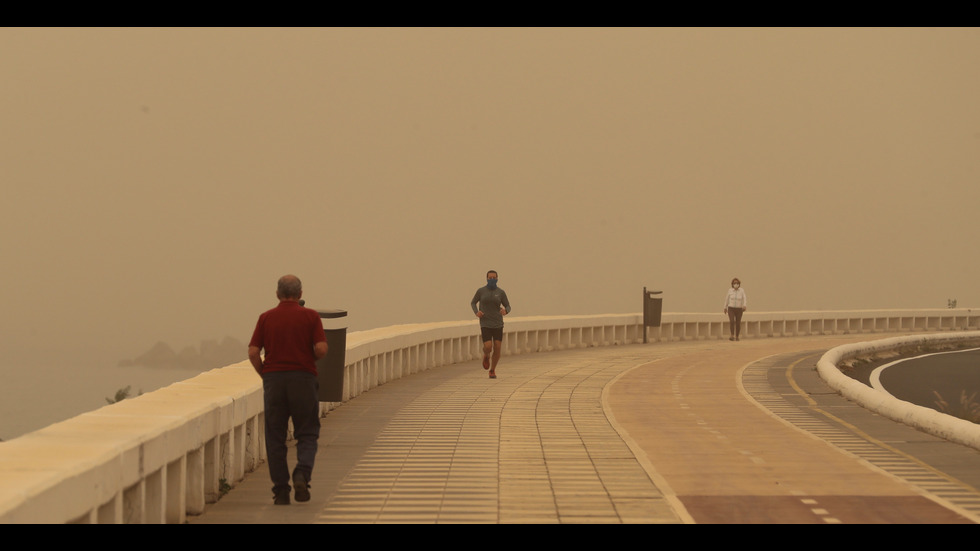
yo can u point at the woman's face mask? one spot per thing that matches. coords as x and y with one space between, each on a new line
492 283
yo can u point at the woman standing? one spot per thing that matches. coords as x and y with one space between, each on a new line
735 304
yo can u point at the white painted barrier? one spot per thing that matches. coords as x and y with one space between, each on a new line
923 418
150 459
163 455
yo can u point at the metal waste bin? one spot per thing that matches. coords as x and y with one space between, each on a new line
652 309
330 368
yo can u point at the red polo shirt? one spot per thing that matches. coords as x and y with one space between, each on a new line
288 333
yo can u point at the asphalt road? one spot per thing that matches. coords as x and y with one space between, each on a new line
951 378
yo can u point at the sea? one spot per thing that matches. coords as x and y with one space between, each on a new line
31 399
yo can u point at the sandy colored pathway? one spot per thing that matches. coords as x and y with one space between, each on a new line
727 460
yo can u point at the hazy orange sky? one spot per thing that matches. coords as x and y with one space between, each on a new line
157 181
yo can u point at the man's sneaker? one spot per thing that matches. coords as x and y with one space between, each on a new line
282 498
486 362
301 486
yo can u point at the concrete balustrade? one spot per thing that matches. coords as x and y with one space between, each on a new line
162 456
150 459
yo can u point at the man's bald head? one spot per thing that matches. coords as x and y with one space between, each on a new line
290 287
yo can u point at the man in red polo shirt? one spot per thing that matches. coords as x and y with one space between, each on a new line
293 339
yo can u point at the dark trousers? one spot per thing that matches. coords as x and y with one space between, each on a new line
290 394
735 320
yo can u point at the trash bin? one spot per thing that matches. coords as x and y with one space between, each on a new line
652 309
330 368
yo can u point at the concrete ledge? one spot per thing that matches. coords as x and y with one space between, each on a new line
926 419
139 460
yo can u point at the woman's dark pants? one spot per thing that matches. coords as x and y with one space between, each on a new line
735 320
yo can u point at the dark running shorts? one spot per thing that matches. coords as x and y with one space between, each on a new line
488 333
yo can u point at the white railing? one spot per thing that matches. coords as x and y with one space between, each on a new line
380 355
158 457
925 419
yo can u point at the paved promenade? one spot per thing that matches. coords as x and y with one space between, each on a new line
688 432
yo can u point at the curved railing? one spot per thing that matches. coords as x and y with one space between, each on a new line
923 418
163 455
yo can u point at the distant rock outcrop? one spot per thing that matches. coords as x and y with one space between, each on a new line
209 355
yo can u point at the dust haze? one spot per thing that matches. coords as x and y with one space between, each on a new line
157 182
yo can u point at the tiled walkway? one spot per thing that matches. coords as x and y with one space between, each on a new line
539 444
531 446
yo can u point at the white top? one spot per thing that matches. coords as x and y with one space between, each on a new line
736 298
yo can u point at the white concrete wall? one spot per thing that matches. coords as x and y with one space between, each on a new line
150 459
161 456
925 419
